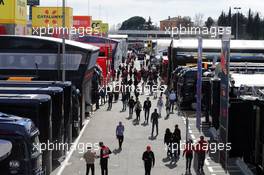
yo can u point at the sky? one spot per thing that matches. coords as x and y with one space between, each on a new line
117 11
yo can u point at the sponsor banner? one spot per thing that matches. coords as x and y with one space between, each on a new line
104 28
82 21
199 84
224 98
96 23
51 16
13 12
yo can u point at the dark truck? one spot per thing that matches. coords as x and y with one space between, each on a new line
38 109
186 87
56 94
25 157
72 115
246 131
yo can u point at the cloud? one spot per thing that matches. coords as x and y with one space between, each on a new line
116 11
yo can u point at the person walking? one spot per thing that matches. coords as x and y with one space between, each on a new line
89 158
110 100
160 105
150 86
155 122
146 107
116 93
172 98
168 141
201 149
167 106
102 96
118 73
149 160
177 133
97 99
127 93
120 134
136 92
124 100
104 155
138 109
188 152
131 104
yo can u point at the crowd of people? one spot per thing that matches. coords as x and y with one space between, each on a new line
129 76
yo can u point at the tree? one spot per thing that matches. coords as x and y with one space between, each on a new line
249 27
209 22
262 27
250 24
222 20
186 21
256 26
149 24
229 17
133 23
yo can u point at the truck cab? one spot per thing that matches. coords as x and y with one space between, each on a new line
25 157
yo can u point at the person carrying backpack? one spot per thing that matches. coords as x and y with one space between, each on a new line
138 109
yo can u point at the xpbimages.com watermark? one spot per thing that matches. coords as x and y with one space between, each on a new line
83 147
80 147
211 147
190 30
148 89
51 30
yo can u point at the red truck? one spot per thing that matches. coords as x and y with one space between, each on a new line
105 57
104 60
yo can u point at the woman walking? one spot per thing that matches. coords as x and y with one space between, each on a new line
160 105
167 106
188 152
168 141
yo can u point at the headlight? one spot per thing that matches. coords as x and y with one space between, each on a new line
14 164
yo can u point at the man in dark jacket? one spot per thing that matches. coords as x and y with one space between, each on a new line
110 100
149 160
155 122
131 104
124 100
146 107
176 139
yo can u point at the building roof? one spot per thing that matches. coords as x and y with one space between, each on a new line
57 40
254 80
217 44
172 19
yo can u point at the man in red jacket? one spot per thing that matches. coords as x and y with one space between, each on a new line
104 155
149 160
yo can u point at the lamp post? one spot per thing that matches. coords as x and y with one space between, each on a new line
237 12
63 41
88 7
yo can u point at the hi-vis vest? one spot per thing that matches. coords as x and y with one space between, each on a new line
105 152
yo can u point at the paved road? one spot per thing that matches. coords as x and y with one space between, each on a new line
101 127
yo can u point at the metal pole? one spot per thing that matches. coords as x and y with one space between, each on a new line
63 41
88 7
226 51
237 13
237 25
187 128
